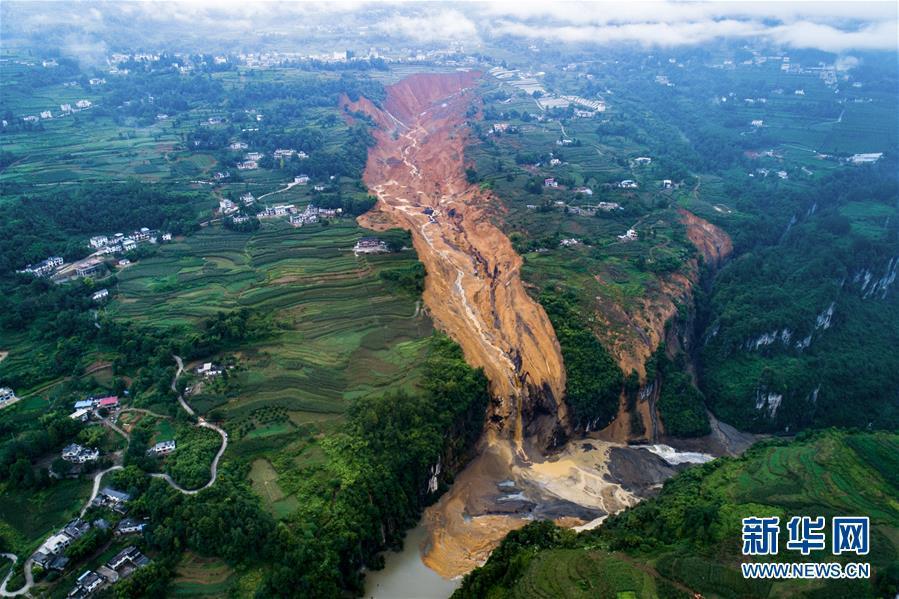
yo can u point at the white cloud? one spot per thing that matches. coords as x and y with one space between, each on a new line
443 25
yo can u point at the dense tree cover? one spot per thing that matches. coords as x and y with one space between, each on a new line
196 447
681 405
61 221
594 380
690 533
795 336
370 491
410 279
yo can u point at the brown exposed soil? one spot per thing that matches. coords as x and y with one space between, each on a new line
473 289
473 292
634 333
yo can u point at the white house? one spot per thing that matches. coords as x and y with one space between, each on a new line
100 295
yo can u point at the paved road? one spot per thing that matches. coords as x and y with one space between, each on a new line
213 469
98 478
29 578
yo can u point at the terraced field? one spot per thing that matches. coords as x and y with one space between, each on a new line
331 308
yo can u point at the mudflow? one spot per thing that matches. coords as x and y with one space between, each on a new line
474 293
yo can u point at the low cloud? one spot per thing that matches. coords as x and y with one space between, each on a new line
443 25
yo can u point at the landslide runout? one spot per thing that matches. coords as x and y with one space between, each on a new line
473 289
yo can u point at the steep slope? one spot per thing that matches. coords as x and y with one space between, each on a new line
473 289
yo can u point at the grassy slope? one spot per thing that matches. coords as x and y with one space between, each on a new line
667 545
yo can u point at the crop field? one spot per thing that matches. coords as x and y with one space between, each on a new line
197 576
331 308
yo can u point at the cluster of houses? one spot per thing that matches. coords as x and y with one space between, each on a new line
44 268
370 245
65 108
78 454
209 370
50 555
312 214
87 408
121 566
118 243
7 397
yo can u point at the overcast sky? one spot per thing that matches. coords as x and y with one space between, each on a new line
831 26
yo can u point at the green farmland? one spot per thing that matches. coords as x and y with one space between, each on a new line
341 332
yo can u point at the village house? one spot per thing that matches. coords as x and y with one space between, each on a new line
166 236
631 235
667 183
301 179
584 190
298 220
550 182
89 268
130 526
7 396
76 528
46 114
112 499
124 262
564 142
81 415
65 108
569 242
30 118
869 158
284 153
247 199
79 455
642 160
83 104
319 187
247 165
370 245
276 211
238 145
128 244
220 175
554 162
86 584
254 156
110 403
226 206
240 219
99 241
628 184
609 206
757 122
209 370
162 448
101 295
127 560
44 268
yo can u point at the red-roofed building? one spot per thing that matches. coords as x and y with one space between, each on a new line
108 402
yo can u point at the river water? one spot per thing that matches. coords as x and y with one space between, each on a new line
405 576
